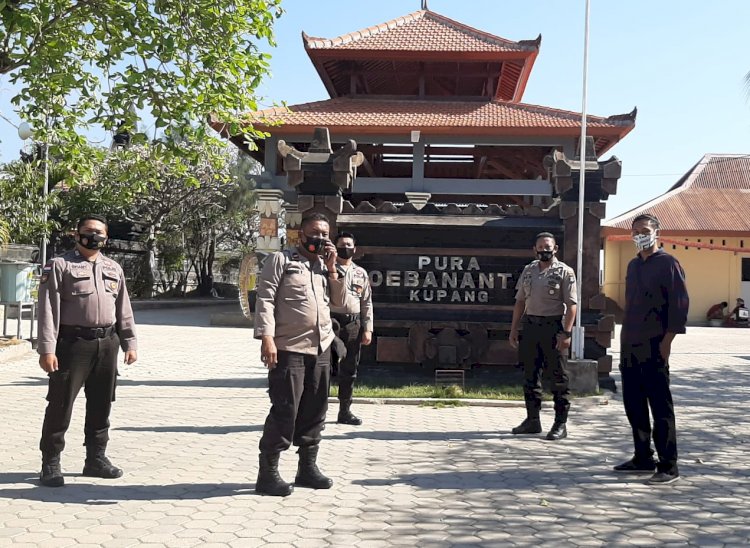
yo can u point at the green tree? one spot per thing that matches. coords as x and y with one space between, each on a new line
186 208
4 232
81 62
22 202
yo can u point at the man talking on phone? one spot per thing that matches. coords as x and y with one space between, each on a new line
293 321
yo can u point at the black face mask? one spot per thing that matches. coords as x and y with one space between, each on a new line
545 256
92 241
345 252
314 245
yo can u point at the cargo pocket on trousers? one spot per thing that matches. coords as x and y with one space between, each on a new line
114 384
59 390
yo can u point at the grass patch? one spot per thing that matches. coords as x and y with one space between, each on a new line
430 391
443 404
366 389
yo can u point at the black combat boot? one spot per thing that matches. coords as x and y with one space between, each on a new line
97 464
308 474
51 474
559 430
269 482
346 416
531 424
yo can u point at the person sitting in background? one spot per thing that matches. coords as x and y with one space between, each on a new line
716 312
739 315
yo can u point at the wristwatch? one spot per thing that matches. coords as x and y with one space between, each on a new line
566 333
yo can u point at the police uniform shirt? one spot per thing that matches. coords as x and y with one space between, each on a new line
357 293
548 292
78 292
293 302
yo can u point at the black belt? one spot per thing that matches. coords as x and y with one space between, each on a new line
542 320
88 333
344 319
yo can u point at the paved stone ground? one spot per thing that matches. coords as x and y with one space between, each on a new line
189 415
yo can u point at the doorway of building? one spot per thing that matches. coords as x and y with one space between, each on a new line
745 284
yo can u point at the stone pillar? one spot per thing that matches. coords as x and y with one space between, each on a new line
293 219
329 205
269 206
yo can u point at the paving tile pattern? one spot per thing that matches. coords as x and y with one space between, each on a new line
189 415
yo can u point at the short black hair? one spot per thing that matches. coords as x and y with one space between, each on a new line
313 217
724 304
345 235
92 217
653 219
544 235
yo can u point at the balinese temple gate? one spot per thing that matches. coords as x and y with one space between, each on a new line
444 176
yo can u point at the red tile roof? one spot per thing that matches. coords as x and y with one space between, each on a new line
421 31
388 115
714 196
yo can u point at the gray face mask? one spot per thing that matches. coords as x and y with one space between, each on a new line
644 241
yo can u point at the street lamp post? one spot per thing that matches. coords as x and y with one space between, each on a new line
25 132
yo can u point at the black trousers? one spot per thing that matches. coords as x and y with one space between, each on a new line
351 334
645 385
91 364
538 351
298 387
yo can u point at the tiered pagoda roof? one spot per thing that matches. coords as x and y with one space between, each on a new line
392 56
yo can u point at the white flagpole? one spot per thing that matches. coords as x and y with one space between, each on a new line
578 331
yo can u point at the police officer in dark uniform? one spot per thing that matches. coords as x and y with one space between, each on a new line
355 321
293 321
84 318
546 299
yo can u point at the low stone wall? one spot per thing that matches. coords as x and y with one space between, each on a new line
583 376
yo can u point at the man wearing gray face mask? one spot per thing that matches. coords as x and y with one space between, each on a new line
546 299
656 307
355 321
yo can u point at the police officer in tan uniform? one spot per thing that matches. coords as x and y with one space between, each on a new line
293 321
84 318
546 298
354 319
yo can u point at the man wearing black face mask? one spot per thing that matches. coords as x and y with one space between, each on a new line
293 321
84 318
355 321
546 297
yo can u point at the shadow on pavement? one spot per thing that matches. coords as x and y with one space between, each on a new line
214 430
94 494
392 435
241 382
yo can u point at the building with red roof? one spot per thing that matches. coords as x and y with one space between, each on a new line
705 223
450 164
435 106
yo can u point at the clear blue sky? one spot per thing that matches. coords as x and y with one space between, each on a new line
681 63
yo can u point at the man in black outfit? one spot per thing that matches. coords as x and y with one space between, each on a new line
656 306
